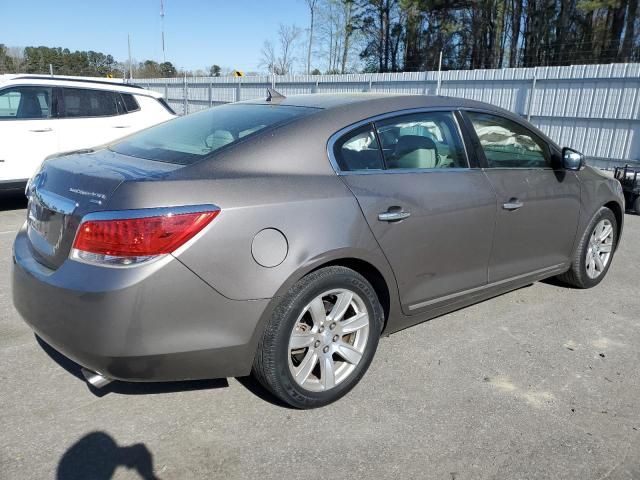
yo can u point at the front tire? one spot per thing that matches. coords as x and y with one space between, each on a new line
592 258
320 339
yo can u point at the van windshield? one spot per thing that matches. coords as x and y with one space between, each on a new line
189 139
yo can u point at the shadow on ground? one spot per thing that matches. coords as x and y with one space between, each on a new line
12 201
97 456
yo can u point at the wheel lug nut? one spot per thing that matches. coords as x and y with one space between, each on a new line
321 329
325 349
317 344
335 338
332 326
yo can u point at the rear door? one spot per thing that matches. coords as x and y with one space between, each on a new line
432 214
538 201
90 117
27 130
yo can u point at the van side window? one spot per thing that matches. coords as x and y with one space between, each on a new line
358 150
83 102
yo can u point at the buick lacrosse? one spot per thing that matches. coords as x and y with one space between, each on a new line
283 237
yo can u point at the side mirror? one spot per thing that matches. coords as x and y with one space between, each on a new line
572 160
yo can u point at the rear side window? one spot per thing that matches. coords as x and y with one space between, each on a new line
358 150
82 102
130 103
422 140
507 144
25 103
191 138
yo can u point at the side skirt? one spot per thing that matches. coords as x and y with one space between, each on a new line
443 305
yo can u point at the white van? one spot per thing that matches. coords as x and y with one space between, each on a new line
42 116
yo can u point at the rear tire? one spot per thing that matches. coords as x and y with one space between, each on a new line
320 339
593 256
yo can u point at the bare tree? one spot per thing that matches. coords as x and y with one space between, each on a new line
312 11
281 63
288 38
336 33
348 31
268 57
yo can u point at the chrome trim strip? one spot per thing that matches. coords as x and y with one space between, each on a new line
483 287
149 212
395 171
343 131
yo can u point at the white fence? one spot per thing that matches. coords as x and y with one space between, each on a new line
592 108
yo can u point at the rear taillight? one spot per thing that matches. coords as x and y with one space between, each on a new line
129 241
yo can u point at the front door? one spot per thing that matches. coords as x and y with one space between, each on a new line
432 215
538 201
27 130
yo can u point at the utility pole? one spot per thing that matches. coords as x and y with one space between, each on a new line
439 74
130 64
164 57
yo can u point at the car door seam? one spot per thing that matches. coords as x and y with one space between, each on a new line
495 220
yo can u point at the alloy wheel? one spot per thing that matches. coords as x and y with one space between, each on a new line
328 340
599 249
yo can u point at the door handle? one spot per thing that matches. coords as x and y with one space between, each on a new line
40 130
513 204
393 216
121 126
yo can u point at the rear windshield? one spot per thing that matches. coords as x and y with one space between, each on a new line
189 139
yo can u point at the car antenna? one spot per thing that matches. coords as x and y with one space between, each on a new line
273 94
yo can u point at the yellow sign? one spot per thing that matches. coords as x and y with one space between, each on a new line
237 73
109 75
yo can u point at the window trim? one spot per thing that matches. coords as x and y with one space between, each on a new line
479 151
335 137
53 108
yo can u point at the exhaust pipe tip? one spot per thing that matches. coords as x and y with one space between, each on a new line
95 379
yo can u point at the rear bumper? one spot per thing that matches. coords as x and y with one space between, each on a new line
158 322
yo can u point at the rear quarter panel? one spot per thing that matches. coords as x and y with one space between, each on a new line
282 180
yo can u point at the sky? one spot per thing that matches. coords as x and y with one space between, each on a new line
198 33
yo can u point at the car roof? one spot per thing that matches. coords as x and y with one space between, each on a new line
384 101
350 108
95 83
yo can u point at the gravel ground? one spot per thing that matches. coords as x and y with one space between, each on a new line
542 382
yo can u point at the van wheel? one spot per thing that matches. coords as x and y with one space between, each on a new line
320 339
593 256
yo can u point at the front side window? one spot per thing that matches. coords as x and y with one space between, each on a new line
422 140
84 102
25 103
507 144
191 138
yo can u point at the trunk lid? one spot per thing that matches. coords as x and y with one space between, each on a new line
68 187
